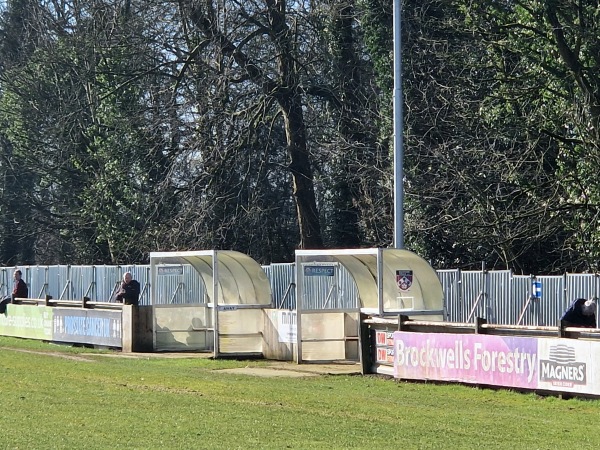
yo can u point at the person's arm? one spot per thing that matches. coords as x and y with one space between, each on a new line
120 292
569 313
135 288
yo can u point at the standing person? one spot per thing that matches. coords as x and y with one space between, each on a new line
129 292
20 290
581 313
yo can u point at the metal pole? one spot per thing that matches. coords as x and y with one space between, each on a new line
299 271
215 290
380 281
153 300
398 130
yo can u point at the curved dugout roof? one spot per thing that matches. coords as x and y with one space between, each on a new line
241 279
408 282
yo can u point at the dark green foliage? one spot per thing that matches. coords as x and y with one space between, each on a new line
140 126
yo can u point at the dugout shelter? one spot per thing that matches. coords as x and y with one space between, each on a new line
225 314
389 282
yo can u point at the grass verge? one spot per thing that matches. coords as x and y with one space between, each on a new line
62 397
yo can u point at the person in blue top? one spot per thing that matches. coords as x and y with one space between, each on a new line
581 313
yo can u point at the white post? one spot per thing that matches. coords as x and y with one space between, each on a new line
215 302
153 299
380 281
299 294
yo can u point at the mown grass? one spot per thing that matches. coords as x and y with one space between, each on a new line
157 403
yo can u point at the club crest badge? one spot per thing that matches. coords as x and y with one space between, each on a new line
404 279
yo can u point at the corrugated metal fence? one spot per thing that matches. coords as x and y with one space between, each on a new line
504 298
498 296
99 283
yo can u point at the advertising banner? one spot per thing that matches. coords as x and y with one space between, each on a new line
481 359
32 322
286 326
384 343
88 327
569 365
552 364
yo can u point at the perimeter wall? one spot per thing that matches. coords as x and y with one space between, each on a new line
500 297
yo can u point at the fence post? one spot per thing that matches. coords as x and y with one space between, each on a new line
561 329
478 322
402 325
365 345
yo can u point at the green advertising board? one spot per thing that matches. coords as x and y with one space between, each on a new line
27 322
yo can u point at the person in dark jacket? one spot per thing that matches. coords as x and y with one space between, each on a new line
20 290
581 313
129 292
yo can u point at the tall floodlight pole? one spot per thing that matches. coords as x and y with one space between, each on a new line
398 130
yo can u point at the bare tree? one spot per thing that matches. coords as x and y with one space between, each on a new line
263 53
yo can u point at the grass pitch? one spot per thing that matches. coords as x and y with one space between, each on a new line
61 397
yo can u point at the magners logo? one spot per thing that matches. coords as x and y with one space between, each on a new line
562 368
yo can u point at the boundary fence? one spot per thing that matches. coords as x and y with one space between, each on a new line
500 297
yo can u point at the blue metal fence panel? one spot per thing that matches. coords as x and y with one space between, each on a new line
187 288
497 304
335 291
579 286
471 292
282 279
520 291
80 280
318 291
349 297
550 303
451 285
509 310
106 280
37 280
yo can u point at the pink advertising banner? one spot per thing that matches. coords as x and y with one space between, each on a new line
550 364
480 359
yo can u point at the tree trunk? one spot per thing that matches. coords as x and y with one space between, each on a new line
304 189
285 90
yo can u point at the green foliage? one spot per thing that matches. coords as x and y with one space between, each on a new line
544 69
490 103
131 128
354 164
77 122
